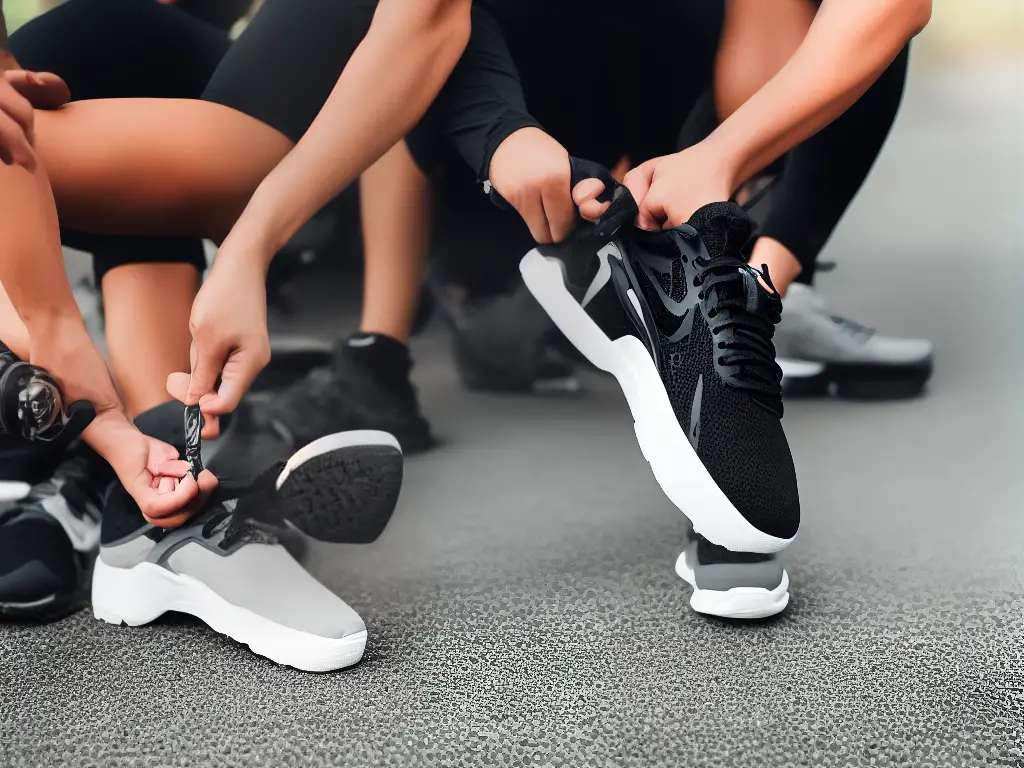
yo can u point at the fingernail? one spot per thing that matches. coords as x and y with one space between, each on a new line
34 78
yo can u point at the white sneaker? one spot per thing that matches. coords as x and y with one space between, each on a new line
821 353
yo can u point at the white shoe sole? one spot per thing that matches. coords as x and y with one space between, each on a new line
141 594
677 468
13 490
738 602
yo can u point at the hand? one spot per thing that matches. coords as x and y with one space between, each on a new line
229 337
668 189
43 90
16 127
150 470
531 171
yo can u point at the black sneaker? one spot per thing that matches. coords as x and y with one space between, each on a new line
49 540
732 585
367 387
681 320
504 343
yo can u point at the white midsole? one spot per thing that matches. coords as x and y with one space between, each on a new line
799 369
141 594
676 465
13 490
738 602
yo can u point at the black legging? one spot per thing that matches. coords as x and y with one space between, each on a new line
126 49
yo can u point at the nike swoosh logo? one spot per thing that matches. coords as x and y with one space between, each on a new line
698 397
681 309
604 271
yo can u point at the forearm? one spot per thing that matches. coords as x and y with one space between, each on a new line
389 82
846 49
31 260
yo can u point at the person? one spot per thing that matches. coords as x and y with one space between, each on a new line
102 157
50 534
491 112
141 274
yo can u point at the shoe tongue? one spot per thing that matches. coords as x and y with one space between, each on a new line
724 227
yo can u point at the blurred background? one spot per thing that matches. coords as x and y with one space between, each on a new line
545 614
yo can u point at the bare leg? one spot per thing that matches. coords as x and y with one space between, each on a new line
155 166
397 212
147 312
13 332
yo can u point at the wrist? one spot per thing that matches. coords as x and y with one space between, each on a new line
731 155
53 322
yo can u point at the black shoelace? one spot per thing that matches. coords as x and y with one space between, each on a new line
742 317
250 513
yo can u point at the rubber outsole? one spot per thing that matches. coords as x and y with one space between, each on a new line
738 602
855 381
343 488
141 594
676 466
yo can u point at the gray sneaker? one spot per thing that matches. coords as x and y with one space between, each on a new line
227 567
821 353
732 585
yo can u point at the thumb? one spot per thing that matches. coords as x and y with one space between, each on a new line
236 378
585 196
206 367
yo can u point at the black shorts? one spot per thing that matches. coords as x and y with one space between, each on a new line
285 64
124 49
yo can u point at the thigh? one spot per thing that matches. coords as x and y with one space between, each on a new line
122 49
283 67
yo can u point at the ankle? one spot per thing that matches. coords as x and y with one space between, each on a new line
783 266
385 357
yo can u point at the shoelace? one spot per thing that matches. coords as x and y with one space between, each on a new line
742 335
247 513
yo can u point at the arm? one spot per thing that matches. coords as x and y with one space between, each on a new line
391 79
847 47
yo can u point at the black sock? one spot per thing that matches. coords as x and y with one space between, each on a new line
382 356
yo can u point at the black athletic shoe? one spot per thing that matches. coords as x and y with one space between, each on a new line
49 540
367 386
504 343
681 320
732 585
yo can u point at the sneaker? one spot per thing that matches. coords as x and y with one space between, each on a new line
49 540
366 387
821 353
227 567
732 585
684 324
504 343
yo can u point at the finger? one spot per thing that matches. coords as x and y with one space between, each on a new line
207 482
586 190
592 210
19 109
163 506
239 373
211 425
16 148
639 180
652 213
177 386
164 484
207 364
532 212
559 210
175 468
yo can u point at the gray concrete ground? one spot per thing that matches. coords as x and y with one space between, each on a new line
523 609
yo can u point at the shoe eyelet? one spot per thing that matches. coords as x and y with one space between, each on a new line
696 283
721 361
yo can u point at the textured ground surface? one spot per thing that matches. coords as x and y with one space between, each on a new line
523 609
